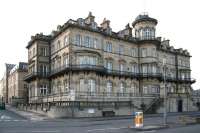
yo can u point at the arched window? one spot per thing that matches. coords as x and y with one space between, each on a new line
109 88
147 33
134 68
109 65
65 41
145 89
58 90
122 89
58 45
121 67
66 60
81 86
66 85
134 89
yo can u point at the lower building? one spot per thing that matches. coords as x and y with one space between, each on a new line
4 81
17 87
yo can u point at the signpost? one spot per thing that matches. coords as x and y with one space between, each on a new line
165 93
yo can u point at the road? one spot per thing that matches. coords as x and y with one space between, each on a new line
13 123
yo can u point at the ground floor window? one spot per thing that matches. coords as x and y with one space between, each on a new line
151 89
134 90
92 86
43 89
81 86
122 89
66 86
109 88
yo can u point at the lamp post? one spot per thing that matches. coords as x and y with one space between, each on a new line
165 94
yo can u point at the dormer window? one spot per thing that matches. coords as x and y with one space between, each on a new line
109 31
94 25
81 21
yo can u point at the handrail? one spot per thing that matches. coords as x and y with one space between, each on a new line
86 95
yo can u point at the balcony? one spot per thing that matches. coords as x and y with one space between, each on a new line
170 79
59 70
120 73
150 75
149 39
86 67
82 67
101 69
33 75
177 94
186 80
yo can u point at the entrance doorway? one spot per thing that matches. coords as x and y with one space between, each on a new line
180 106
108 113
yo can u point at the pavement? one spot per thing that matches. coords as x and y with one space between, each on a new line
13 122
27 114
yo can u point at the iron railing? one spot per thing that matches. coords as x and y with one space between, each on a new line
104 70
88 96
188 80
36 74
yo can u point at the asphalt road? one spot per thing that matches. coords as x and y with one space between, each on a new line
13 123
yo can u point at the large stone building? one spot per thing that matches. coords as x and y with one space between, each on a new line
83 69
17 87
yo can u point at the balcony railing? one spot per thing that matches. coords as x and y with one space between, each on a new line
87 67
106 71
169 78
120 73
150 75
89 96
102 69
186 80
151 38
59 69
36 74
82 67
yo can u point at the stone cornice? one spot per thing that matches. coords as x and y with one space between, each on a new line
39 37
114 35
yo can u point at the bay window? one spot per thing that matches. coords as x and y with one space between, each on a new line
87 60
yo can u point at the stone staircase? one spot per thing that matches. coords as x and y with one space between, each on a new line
154 105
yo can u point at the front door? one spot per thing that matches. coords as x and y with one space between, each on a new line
180 105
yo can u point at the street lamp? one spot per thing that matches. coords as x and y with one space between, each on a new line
165 94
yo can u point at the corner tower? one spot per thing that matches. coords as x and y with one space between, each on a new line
145 27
